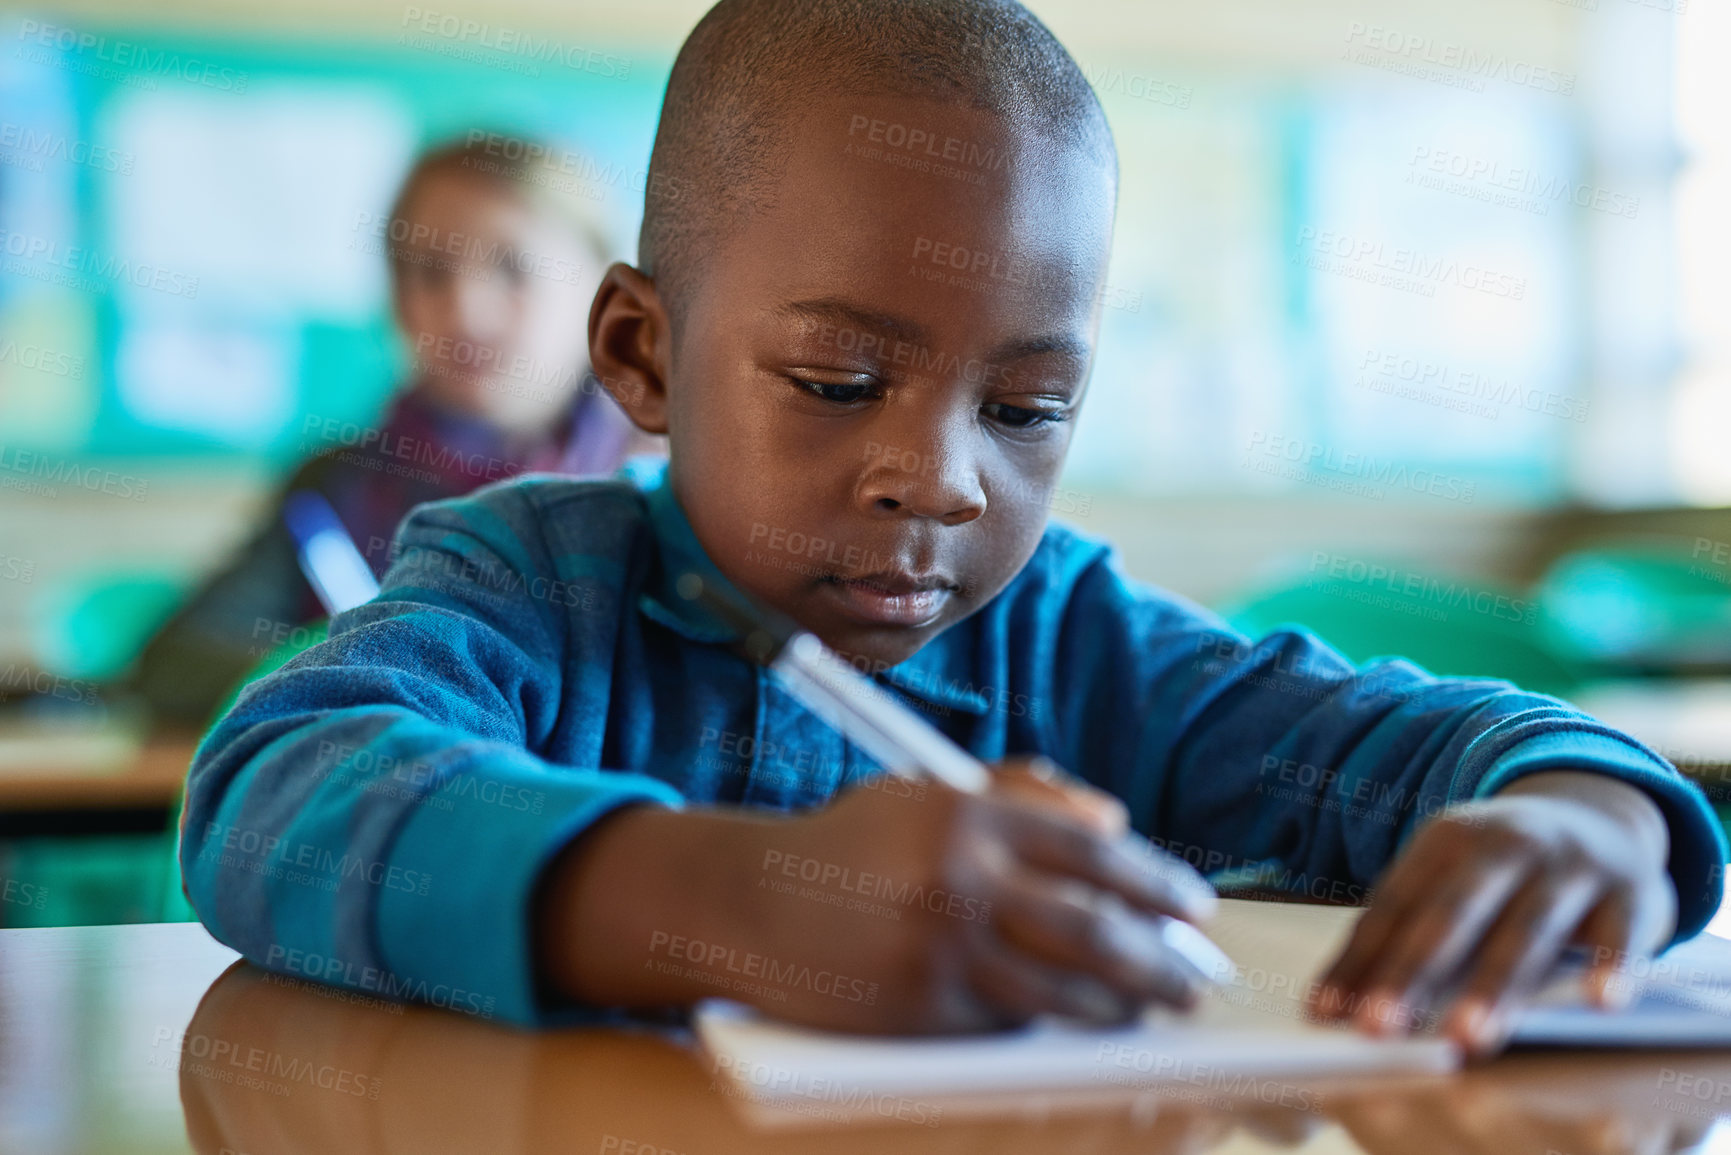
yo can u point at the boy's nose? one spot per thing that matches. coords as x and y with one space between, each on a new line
943 486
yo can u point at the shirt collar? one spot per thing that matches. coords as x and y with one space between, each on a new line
678 552
937 675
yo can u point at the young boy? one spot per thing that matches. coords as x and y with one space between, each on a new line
531 780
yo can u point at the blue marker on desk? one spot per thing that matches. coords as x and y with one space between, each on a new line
899 739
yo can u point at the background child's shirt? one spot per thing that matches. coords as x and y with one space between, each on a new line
372 476
377 813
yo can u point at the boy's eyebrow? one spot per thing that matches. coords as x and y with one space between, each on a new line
1064 346
840 312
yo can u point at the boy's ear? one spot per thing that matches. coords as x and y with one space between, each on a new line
630 343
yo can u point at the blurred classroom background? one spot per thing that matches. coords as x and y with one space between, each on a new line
1418 333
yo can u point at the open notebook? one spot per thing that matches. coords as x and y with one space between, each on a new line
1681 999
1252 1030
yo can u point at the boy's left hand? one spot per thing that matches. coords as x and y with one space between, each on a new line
1488 896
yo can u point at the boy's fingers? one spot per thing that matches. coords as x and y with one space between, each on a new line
1144 876
1621 932
1042 782
1608 933
1077 928
1435 938
1519 952
1404 884
1018 988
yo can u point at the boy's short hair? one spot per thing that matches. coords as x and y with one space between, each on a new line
742 71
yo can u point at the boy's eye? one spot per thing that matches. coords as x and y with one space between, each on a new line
1021 416
843 393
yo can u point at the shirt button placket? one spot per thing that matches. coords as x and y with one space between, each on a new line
797 758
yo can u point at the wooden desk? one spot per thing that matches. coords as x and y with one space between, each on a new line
147 1039
140 795
150 779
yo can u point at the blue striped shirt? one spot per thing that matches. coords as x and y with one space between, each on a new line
377 813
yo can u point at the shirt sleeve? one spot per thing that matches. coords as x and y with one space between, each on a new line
371 815
1280 760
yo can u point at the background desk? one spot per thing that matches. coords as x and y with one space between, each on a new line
96 1022
89 838
146 781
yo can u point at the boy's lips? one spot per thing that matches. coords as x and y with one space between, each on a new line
891 597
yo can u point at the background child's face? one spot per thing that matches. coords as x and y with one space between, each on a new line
487 298
859 397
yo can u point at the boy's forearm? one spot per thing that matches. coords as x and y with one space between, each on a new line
616 899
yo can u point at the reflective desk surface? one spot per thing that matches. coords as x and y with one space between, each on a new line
156 1039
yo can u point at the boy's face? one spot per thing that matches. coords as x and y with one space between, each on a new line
876 379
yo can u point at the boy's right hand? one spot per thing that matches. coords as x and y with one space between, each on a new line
976 911
903 908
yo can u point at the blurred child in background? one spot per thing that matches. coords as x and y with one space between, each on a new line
494 261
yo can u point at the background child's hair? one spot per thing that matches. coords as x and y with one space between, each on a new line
519 165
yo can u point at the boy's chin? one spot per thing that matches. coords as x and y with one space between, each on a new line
873 648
